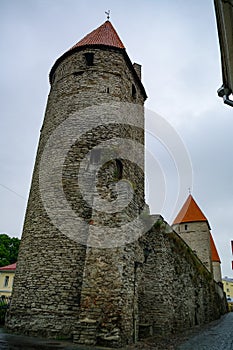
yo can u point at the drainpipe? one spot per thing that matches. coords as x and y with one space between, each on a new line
225 93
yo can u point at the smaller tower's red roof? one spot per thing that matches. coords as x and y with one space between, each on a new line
103 35
190 212
8 267
214 252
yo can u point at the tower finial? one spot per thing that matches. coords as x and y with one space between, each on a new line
108 14
189 190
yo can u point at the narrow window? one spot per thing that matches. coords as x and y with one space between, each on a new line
6 281
119 166
107 90
78 73
185 227
133 91
89 56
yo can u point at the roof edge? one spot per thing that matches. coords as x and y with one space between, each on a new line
190 212
192 222
103 47
73 50
10 267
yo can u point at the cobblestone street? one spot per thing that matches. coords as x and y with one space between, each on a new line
218 337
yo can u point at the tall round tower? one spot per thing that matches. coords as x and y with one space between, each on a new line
87 190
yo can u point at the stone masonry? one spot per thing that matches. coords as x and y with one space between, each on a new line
88 273
197 236
176 290
63 285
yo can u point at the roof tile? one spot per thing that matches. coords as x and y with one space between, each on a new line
214 252
103 35
190 212
8 267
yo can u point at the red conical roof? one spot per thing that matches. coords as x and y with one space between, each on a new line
190 212
214 252
103 35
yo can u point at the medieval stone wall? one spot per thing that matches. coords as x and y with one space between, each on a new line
154 286
176 291
217 273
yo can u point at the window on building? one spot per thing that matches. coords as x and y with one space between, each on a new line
228 290
133 91
185 227
89 56
6 281
119 166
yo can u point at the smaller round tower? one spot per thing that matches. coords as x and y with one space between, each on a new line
192 225
216 262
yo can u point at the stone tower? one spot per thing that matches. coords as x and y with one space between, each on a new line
192 225
76 259
216 262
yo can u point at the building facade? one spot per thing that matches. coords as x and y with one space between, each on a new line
228 286
228 289
7 274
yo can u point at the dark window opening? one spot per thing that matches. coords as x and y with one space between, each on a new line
119 166
89 56
6 281
95 156
107 90
133 91
78 73
185 227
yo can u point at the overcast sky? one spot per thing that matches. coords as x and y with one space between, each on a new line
175 41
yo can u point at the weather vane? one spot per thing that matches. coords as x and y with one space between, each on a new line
108 14
189 190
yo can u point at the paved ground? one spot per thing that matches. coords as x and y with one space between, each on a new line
216 336
17 342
